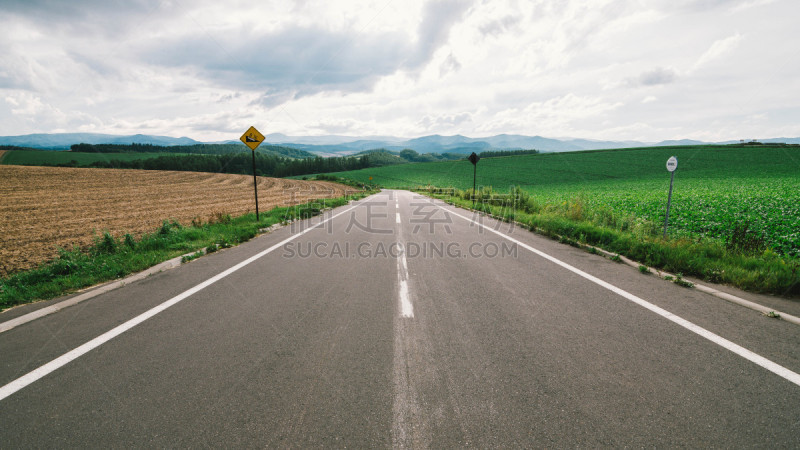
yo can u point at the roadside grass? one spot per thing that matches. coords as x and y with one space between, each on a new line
111 257
340 180
750 268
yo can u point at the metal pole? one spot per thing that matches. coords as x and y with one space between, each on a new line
255 184
669 201
474 176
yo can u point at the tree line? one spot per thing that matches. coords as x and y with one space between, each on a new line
198 149
494 153
241 163
271 160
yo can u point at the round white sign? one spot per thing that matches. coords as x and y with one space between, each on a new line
672 164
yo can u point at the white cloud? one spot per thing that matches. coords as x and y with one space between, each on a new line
500 26
615 69
29 105
554 116
654 77
450 64
447 122
747 4
718 49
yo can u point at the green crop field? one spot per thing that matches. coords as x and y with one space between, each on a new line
52 158
717 188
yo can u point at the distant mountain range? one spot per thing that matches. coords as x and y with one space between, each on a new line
62 141
345 145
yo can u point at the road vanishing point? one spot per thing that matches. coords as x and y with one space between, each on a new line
400 322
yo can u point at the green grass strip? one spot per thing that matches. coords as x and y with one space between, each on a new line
110 258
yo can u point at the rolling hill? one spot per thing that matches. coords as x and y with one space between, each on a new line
336 145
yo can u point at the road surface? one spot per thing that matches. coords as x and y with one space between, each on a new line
401 322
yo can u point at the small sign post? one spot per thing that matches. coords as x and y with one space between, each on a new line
474 158
253 138
672 165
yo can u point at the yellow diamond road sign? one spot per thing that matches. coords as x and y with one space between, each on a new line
252 138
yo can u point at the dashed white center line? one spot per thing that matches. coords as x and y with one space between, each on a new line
408 430
406 308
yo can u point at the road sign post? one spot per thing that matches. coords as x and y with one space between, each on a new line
672 165
474 158
253 138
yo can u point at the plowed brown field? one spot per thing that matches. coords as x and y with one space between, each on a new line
42 208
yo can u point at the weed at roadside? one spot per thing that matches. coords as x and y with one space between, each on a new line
195 255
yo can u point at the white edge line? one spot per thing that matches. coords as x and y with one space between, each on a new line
719 340
716 293
76 353
93 292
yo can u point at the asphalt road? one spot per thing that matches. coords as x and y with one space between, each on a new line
401 323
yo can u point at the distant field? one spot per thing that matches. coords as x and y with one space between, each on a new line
39 158
46 207
716 187
532 171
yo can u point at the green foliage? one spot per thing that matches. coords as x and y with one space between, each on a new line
196 149
240 163
105 244
268 163
324 177
355 184
169 226
499 153
195 255
16 147
681 282
741 241
219 217
409 155
70 159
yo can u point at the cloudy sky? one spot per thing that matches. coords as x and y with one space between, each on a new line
600 69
